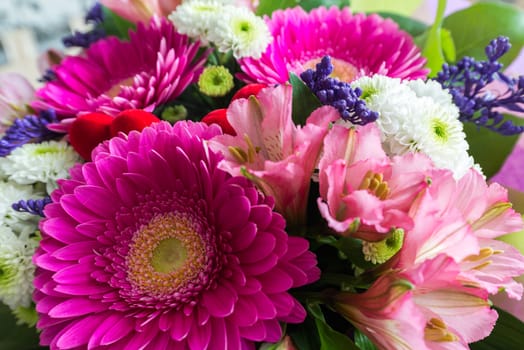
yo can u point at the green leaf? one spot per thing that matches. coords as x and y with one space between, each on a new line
304 101
363 342
308 5
352 249
404 7
448 46
330 339
508 334
115 25
473 28
304 335
13 336
412 26
488 148
266 7
432 48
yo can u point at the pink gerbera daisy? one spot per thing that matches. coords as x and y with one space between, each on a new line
357 44
153 67
151 246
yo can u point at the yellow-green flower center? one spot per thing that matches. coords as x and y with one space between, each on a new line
215 81
46 149
165 254
169 255
440 130
381 251
243 28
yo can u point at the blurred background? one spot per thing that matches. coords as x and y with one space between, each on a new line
30 27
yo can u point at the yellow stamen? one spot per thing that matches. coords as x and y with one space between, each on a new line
375 184
436 330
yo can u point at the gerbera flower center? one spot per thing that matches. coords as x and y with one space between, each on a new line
342 70
116 88
165 254
169 255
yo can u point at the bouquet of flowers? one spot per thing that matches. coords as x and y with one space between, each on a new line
213 174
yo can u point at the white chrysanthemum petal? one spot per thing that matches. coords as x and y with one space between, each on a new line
242 32
197 18
377 85
43 162
16 267
21 223
418 117
432 89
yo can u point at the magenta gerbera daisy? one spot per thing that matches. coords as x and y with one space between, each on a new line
153 67
151 246
358 45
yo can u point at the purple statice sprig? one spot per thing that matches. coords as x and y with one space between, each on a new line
467 81
31 128
95 16
32 206
339 94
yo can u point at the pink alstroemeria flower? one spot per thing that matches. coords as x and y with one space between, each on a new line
461 219
15 95
141 10
426 308
271 150
360 184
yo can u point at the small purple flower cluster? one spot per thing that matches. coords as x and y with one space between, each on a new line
32 206
339 94
79 39
467 81
30 128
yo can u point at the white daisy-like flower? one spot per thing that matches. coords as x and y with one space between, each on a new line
378 85
432 89
16 268
242 32
444 140
21 223
197 18
43 162
418 117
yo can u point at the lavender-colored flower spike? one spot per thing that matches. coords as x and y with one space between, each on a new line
338 94
32 206
95 16
466 81
30 128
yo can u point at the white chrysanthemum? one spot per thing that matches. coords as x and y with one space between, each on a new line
242 32
43 162
432 89
16 268
418 117
197 18
21 223
377 85
444 140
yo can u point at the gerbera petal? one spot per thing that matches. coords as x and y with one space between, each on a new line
109 242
